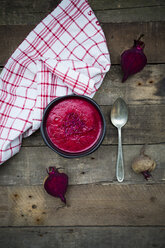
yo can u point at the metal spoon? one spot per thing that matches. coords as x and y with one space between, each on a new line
119 117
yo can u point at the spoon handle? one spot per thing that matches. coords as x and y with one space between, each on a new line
120 164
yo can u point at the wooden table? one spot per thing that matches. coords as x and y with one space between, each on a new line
101 212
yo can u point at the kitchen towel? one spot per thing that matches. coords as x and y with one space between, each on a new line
66 53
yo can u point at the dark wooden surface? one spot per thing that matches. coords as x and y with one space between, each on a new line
100 212
102 204
87 237
120 36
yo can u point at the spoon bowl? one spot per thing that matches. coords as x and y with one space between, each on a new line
119 113
119 117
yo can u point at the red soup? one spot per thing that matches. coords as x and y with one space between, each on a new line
74 125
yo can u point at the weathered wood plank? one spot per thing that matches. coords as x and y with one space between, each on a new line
24 12
13 35
145 87
113 4
80 237
144 14
145 125
29 166
32 12
96 205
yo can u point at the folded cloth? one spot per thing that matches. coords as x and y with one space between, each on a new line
65 53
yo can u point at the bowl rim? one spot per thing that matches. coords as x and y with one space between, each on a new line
60 151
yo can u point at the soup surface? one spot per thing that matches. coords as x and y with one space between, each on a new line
74 125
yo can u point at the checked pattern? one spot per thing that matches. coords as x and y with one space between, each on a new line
65 53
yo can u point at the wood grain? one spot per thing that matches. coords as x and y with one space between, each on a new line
29 166
82 237
11 37
96 205
113 4
117 40
31 12
25 12
145 87
144 14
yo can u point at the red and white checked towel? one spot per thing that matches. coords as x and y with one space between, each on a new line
65 53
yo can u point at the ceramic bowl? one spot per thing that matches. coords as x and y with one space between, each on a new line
64 153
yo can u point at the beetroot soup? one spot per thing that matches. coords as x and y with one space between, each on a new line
74 125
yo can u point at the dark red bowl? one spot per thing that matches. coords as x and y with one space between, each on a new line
61 152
